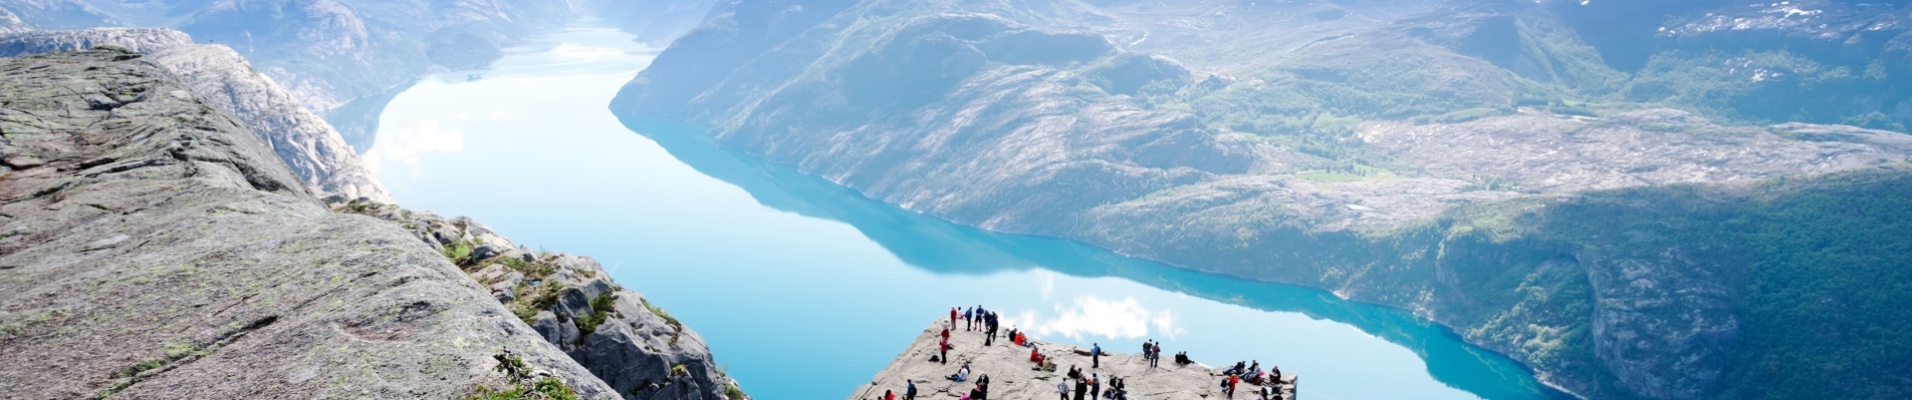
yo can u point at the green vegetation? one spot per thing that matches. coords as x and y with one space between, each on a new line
457 251
601 309
732 392
660 313
524 385
171 352
679 370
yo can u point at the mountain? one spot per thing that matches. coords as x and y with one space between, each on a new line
1636 199
342 59
153 245
318 157
207 269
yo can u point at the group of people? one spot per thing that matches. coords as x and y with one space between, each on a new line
1269 381
1085 385
1089 386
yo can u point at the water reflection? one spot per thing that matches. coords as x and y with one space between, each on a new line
945 248
804 288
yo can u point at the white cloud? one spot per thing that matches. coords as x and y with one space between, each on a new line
1092 316
405 145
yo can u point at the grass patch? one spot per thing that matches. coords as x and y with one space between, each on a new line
600 310
679 370
732 392
523 385
458 251
173 352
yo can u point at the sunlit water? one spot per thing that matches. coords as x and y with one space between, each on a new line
805 290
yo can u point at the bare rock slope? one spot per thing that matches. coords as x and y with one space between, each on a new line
150 246
315 151
637 348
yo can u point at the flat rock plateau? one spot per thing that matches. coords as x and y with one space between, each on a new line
1013 376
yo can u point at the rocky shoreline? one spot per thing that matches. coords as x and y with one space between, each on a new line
1013 376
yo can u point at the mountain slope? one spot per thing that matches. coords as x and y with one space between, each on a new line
315 152
1440 157
153 247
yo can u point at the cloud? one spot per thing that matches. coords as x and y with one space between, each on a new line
1092 316
405 145
1048 284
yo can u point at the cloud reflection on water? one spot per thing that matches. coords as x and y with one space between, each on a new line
405 145
1090 315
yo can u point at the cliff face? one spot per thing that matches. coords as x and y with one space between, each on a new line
315 152
340 59
635 347
153 247
1440 157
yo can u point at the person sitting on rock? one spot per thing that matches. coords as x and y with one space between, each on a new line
1181 358
962 374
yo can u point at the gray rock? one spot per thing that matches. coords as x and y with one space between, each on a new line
555 330
210 270
483 252
633 349
306 143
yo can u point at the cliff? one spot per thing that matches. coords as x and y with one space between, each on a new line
154 247
316 153
1013 376
634 346
339 59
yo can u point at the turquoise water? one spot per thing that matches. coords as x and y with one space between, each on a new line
804 289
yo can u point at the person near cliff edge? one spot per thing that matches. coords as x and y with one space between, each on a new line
1095 356
952 316
969 318
943 347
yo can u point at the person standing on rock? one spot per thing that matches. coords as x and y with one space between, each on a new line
969 319
1095 356
1062 387
952 317
1095 385
944 347
909 393
887 395
1082 388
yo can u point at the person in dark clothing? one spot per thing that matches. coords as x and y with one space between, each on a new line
909 393
1081 389
1074 373
944 347
969 320
1095 386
